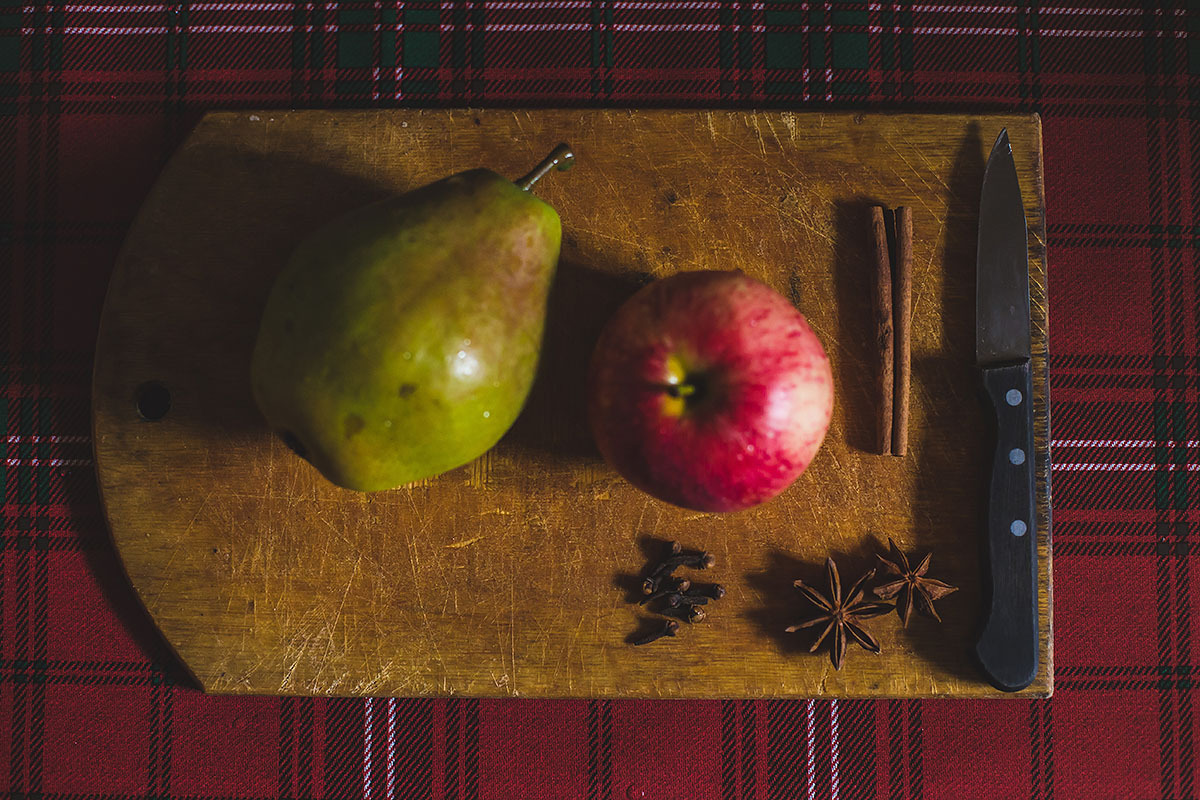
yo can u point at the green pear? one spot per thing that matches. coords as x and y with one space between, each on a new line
402 339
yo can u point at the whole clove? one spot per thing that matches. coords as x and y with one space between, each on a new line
695 559
713 591
680 585
673 599
669 628
686 612
683 599
678 598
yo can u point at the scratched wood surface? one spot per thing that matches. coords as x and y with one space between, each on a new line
513 575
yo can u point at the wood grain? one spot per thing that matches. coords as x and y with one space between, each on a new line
513 575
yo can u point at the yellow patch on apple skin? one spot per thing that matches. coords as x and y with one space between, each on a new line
675 404
676 370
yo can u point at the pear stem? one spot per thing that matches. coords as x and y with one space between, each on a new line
560 157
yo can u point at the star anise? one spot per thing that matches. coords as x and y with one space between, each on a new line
912 588
840 614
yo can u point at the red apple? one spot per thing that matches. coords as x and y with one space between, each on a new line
710 391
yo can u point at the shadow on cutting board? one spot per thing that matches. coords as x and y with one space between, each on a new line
246 212
785 605
123 603
653 551
582 299
949 377
856 360
943 645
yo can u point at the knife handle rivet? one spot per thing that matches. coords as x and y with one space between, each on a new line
1016 456
1018 527
1014 397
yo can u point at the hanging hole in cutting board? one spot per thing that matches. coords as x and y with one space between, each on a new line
153 400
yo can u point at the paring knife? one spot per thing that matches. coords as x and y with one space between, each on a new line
1007 649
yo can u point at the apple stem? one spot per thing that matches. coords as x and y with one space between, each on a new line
560 157
681 389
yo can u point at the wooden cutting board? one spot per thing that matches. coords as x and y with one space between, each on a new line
514 575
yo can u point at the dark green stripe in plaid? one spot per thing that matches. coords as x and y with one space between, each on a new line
1028 54
41 623
599 730
296 732
1110 381
460 776
1186 418
602 56
916 749
31 596
304 749
411 745
379 67
1176 498
1159 310
318 51
459 52
729 760
479 40
299 88
1172 410
1040 764
471 750
295 774
739 750
749 749
18 721
451 786
726 46
10 40
343 768
162 713
787 754
897 789
857 767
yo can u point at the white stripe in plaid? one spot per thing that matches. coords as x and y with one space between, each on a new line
1122 443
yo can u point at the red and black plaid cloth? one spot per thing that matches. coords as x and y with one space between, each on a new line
94 98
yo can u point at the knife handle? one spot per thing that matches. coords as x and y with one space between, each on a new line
1008 645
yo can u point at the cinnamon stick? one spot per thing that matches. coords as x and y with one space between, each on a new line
883 328
901 317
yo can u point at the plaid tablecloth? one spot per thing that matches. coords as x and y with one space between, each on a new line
94 98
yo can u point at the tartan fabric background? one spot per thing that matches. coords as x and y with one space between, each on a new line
94 98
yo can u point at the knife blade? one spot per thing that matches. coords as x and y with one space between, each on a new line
1007 648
